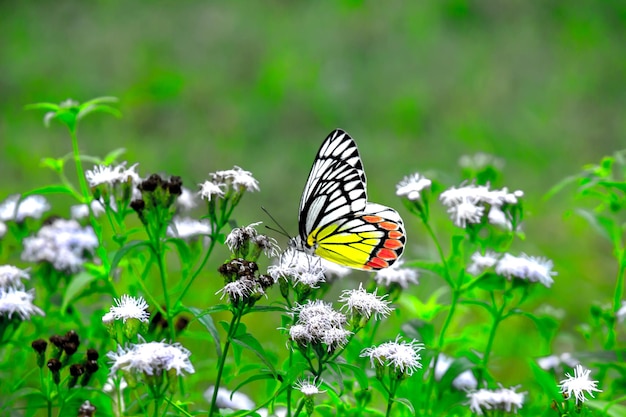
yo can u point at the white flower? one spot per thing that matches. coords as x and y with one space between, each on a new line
467 204
151 358
361 302
403 356
412 186
63 243
14 301
554 362
11 277
307 387
81 211
482 262
466 211
317 323
395 274
278 412
299 267
229 400
208 190
240 179
129 307
33 206
187 228
506 399
238 290
463 381
187 200
3 229
531 268
621 313
578 384
112 175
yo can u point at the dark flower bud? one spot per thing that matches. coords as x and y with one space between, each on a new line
77 370
92 355
54 365
40 346
72 337
138 205
175 186
92 367
181 324
70 348
151 183
57 341
265 281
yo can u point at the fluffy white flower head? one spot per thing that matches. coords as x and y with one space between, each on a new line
129 307
403 356
112 175
33 206
240 179
19 302
210 190
395 274
463 381
505 399
360 302
151 358
12 276
317 323
412 186
307 387
579 384
533 269
482 262
299 267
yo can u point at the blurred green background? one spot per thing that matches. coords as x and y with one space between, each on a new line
207 85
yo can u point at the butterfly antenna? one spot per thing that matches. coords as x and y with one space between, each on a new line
282 230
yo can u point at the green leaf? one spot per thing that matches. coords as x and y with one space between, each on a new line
123 251
77 284
55 164
183 251
258 376
207 321
489 282
50 189
457 367
267 309
611 410
546 382
405 402
560 185
546 325
249 342
358 372
420 330
601 224
434 267
43 106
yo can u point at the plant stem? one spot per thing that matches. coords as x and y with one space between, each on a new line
234 323
442 256
497 318
617 299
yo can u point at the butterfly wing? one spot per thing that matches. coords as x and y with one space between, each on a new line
336 222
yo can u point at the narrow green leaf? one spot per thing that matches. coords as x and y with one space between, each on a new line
420 330
560 185
258 376
77 284
119 255
207 321
113 155
489 282
267 309
405 402
249 342
44 106
183 251
457 367
50 189
546 325
358 372
546 382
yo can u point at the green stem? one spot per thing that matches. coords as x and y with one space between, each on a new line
617 300
442 256
199 269
300 406
497 319
234 324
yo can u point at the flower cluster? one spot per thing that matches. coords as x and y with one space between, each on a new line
413 186
504 399
16 209
469 204
188 229
222 182
319 324
62 243
399 356
299 268
242 283
151 358
246 242
524 267
127 308
554 362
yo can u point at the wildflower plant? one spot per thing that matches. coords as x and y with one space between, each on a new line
94 300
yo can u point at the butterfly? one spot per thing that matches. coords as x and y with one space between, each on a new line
336 222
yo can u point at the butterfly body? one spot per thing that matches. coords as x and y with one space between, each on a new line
336 221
